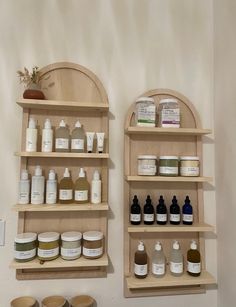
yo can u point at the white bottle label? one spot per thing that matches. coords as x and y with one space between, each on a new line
81 195
37 191
77 144
25 255
140 269
187 217
158 268
175 217
44 253
51 198
147 169
31 140
148 217
176 267
161 217
94 252
96 196
193 267
170 118
71 252
24 198
65 194
135 217
189 171
170 170
62 143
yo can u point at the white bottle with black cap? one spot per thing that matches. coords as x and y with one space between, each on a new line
31 136
158 261
176 260
51 188
96 188
77 138
24 188
47 136
38 187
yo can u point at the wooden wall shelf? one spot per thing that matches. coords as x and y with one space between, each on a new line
60 207
73 92
184 141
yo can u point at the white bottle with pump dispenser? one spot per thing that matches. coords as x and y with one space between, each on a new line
51 188
158 261
38 187
96 188
24 188
77 138
176 260
47 136
31 136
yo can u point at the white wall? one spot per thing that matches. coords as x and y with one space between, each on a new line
132 46
225 127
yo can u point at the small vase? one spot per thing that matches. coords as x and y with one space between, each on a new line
33 92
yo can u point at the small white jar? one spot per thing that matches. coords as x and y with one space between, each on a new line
147 165
189 166
145 112
71 245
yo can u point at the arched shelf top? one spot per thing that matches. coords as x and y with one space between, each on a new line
71 82
189 115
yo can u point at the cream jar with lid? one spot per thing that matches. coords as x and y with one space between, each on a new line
147 165
189 166
71 245
92 244
48 248
145 112
25 246
169 113
168 166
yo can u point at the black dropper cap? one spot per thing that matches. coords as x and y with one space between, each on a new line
161 200
135 199
187 200
148 200
174 200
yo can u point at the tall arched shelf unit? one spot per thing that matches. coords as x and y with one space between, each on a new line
72 92
184 141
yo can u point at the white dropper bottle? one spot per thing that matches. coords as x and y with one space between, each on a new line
96 188
31 136
47 136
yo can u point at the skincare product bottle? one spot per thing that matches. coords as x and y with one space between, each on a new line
51 188
38 187
140 262
148 212
135 212
174 212
193 260
176 260
100 141
31 136
62 140
187 212
96 188
90 137
77 138
158 261
66 188
161 212
24 188
81 188
47 136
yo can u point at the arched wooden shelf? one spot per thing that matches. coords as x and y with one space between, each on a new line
72 92
184 141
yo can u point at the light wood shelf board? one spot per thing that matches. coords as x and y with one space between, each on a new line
201 227
170 281
169 179
59 207
60 263
62 155
167 131
62 105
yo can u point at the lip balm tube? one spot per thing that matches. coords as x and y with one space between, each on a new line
100 141
90 137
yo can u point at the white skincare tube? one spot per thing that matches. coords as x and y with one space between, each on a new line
90 137
100 141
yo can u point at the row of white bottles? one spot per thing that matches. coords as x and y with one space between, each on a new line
63 141
34 192
158 262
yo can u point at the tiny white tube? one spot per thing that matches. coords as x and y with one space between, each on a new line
100 141
90 137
